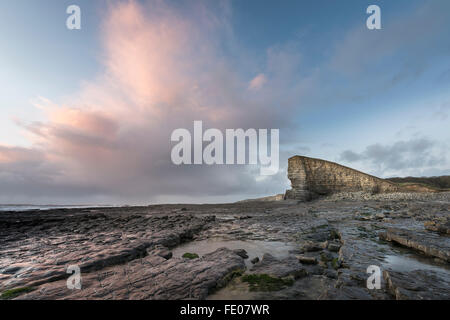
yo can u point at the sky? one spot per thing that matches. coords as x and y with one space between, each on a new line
87 115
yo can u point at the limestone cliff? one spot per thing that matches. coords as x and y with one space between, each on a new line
314 177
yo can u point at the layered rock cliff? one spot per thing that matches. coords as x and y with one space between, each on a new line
311 178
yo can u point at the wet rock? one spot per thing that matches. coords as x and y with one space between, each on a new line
255 260
116 248
241 253
161 251
169 280
11 270
417 285
380 216
310 246
365 217
346 293
330 273
279 268
153 260
306 260
326 256
102 241
424 242
334 247
438 226
324 244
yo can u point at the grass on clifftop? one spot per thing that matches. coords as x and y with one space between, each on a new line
189 255
265 282
14 293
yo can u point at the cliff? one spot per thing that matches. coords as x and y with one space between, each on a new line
311 178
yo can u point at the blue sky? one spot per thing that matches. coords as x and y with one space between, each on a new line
40 57
376 100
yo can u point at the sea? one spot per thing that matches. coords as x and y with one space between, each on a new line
28 207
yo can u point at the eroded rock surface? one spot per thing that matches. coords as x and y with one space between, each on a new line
152 277
324 246
279 268
313 177
417 285
38 246
428 244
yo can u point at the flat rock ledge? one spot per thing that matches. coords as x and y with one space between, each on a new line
417 285
151 278
319 249
282 268
441 227
425 242
92 241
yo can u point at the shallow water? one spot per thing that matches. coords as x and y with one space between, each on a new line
29 207
407 263
254 248
236 290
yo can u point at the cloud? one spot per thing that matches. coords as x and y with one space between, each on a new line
257 82
110 141
163 67
366 65
442 112
400 158
362 50
351 156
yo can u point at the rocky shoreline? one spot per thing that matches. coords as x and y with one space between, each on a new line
247 250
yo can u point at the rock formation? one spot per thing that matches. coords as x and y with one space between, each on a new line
258 250
314 177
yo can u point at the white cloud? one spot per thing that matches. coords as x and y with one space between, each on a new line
258 82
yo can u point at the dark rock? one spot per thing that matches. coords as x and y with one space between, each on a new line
173 279
426 243
161 251
241 253
310 246
438 226
279 268
334 247
255 260
122 251
330 273
306 260
417 285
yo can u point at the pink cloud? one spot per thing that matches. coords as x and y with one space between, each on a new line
162 71
258 82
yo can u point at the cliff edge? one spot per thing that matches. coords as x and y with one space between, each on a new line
311 178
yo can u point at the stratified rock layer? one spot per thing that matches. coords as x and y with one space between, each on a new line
313 177
417 285
320 250
428 244
36 247
150 278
